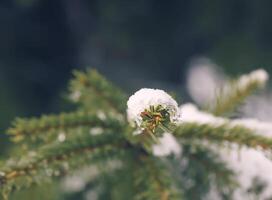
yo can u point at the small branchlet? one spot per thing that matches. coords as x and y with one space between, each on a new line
92 91
156 119
153 181
235 92
205 166
223 133
48 125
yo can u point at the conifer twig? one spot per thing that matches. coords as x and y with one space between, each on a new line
233 93
76 151
39 127
234 134
91 89
152 181
205 166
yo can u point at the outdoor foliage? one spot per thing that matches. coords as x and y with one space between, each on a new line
97 138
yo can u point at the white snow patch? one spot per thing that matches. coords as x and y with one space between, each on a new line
167 145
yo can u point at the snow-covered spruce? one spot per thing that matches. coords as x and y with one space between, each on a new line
190 113
151 108
259 76
249 164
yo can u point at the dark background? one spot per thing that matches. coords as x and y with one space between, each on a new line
143 43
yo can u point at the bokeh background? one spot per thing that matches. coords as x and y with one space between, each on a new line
144 43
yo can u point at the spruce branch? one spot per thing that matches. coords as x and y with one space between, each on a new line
153 181
108 184
235 92
118 185
223 133
98 132
227 102
91 90
201 170
58 159
51 124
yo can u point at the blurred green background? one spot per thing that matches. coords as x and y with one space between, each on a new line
144 43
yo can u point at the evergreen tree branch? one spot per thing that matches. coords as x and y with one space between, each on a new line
234 134
119 180
153 181
57 159
103 185
235 92
91 90
201 169
41 127
227 102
